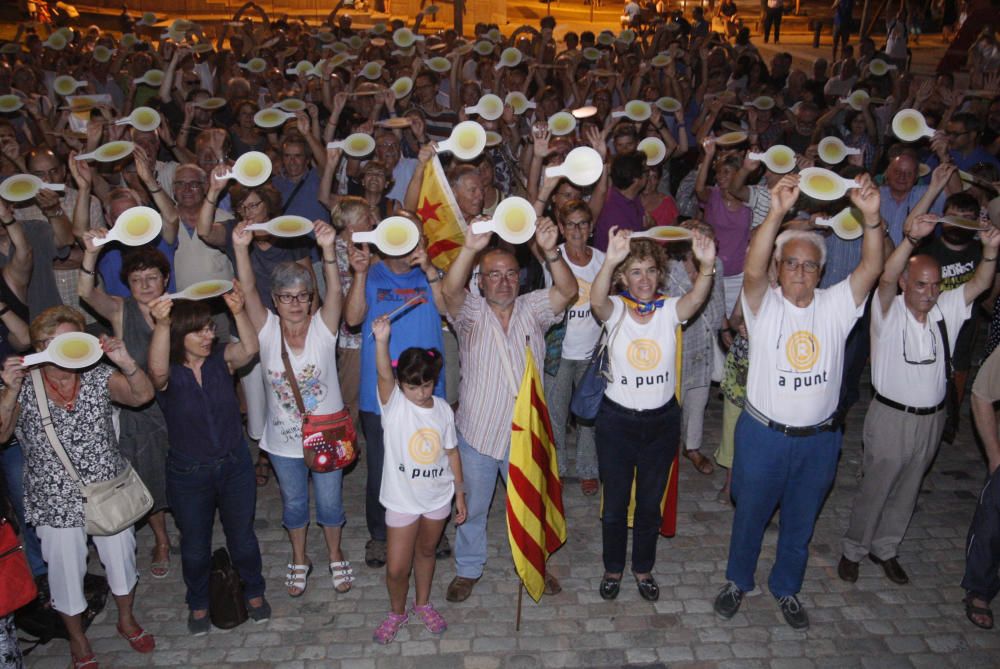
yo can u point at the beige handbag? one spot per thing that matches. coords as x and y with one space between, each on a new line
109 506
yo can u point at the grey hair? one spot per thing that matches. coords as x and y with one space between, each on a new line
809 236
291 274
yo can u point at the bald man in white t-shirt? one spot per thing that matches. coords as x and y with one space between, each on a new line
910 356
787 439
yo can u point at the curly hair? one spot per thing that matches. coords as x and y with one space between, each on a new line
640 250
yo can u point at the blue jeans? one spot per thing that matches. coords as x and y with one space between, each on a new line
12 463
195 490
480 474
771 469
371 425
634 446
293 479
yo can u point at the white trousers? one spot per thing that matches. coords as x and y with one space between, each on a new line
65 551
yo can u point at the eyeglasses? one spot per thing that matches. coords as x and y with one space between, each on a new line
793 265
576 224
919 360
496 275
251 206
301 298
191 185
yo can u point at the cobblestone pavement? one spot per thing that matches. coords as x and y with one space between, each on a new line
872 623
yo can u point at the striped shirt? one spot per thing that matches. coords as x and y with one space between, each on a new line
487 391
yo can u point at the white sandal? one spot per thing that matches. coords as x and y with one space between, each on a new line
342 574
296 578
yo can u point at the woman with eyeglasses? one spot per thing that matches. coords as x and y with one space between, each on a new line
255 205
208 467
293 336
142 430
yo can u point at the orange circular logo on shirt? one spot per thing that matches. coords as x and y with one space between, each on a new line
425 446
643 354
583 292
802 350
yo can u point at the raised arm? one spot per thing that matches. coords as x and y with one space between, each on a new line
868 200
411 201
18 269
704 252
240 353
108 307
360 258
701 189
158 360
755 269
915 229
564 288
940 177
383 362
460 270
738 187
986 271
600 289
244 271
83 176
326 238
144 166
130 385
206 217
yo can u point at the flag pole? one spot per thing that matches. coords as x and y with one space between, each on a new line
520 595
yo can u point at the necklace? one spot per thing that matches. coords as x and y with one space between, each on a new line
67 401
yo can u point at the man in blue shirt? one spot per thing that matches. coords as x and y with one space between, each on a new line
296 180
901 194
379 287
963 147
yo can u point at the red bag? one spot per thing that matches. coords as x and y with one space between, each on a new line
17 586
328 439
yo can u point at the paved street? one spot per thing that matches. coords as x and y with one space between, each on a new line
872 623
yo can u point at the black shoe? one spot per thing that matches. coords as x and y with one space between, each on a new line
610 587
198 626
847 570
443 550
648 588
794 614
728 601
375 553
259 614
893 571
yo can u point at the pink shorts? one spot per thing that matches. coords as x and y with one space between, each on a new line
397 519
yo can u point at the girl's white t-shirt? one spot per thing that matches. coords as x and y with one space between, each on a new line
316 373
643 357
416 474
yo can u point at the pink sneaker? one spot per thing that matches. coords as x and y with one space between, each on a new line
386 632
433 621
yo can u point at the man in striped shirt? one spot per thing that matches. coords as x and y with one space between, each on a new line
492 330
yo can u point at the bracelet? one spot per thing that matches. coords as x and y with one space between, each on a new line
7 224
171 146
985 259
51 213
132 373
214 203
712 273
3 311
438 275
874 227
329 262
915 242
154 192
556 258
87 271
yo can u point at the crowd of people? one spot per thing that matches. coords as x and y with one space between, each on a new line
781 293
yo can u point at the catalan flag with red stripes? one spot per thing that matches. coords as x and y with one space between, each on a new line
442 220
536 522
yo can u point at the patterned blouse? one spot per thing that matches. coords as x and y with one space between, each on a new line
51 497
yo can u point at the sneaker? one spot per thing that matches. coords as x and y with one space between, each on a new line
198 626
375 553
794 614
728 601
443 550
430 617
259 614
386 632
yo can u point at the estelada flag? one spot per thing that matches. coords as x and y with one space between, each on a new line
442 220
536 522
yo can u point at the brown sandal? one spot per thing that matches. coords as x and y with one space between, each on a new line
700 462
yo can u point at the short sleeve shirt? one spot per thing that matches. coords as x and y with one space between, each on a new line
797 354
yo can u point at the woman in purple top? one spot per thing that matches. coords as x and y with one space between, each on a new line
728 216
208 464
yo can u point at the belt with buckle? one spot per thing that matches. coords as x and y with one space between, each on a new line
916 411
829 425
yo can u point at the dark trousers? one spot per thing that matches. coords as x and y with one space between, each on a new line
639 446
772 470
856 351
195 490
982 548
772 17
371 425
